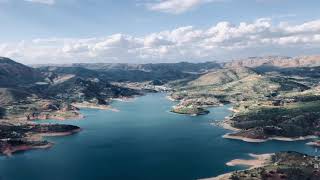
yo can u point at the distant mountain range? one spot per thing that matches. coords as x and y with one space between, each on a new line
91 81
182 66
276 61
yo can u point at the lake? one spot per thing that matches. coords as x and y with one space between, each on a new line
142 141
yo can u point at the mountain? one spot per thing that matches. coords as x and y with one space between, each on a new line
272 97
116 75
276 61
122 72
18 81
52 72
229 85
13 74
221 76
28 93
94 90
181 66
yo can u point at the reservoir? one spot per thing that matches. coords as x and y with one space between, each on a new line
143 141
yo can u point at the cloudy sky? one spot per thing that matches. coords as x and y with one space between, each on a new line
140 31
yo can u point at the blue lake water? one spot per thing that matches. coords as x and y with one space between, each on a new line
142 141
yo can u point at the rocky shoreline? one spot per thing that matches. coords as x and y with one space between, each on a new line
25 137
234 135
28 136
278 138
8 150
95 106
193 106
314 143
258 160
281 165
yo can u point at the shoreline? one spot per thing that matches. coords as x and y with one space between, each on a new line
10 150
13 149
94 106
42 117
124 99
314 143
60 118
226 124
277 138
259 160
256 161
54 134
171 99
251 140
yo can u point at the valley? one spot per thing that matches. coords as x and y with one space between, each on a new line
272 98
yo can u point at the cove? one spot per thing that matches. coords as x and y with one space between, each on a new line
142 141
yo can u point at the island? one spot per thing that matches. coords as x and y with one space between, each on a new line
191 110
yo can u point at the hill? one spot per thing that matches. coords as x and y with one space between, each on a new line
121 72
281 165
9 96
13 74
77 89
181 66
221 76
228 85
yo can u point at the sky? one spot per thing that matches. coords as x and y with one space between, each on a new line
152 31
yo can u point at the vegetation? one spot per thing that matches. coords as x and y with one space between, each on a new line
283 165
268 101
190 110
23 137
292 120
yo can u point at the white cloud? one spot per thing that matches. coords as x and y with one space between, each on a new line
47 2
221 41
176 6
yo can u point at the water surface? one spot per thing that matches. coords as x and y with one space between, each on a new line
142 141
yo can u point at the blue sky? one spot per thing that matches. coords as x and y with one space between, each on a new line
156 30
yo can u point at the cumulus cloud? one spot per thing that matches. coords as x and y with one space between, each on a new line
222 41
47 2
176 6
